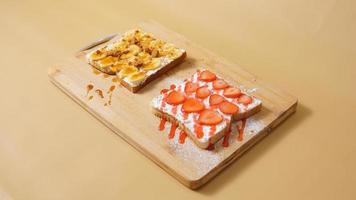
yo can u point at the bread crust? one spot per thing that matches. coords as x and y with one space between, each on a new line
213 139
191 135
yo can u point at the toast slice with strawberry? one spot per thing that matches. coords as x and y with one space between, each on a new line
136 58
204 106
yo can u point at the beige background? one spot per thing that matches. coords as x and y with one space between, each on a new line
50 148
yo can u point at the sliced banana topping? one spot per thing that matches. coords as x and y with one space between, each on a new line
127 71
97 55
144 58
137 77
154 64
119 66
134 49
127 55
105 62
135 55
156 44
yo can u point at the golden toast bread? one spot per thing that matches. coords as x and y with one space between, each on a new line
136 58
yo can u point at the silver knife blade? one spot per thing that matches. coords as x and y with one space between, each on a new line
98 42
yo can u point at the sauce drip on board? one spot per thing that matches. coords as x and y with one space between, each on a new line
241 130
225 142
111 90
100 93
162 124
172 132
211 147
89 88
182 137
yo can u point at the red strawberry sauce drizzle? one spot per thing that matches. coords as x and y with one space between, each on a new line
172 132
182 136
212 130
211 147
163 103
227 135
198 129
162 124
185 116
241 130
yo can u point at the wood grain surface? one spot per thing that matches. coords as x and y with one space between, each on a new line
130 117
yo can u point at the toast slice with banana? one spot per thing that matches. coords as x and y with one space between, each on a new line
136 58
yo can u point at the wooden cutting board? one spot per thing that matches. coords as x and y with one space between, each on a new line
129 115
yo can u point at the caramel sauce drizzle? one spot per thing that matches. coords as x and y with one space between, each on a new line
89 88
111 90
100 93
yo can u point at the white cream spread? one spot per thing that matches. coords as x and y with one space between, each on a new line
189 123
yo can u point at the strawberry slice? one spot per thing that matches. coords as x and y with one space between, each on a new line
202 92
215 99
192 105
228 108
191 87
220 84
232 92
245 99
175 98
210 118
207 76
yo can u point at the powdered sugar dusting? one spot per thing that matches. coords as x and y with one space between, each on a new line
205 160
